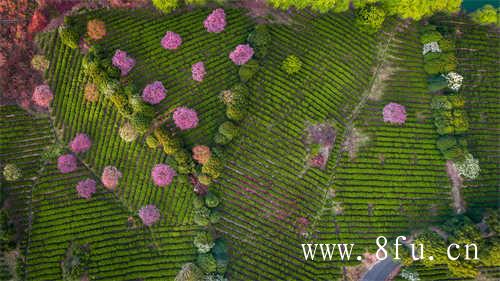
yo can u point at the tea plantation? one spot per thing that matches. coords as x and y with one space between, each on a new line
393 182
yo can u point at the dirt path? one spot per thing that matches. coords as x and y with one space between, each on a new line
456 187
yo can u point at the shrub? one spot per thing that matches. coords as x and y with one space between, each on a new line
446 45
213 167
110 177
124 62
198 71
216 21
201 153
152 142
211 200
440 103
96 29
182 157
171 40
437 83
221 139
149 215
201 216
259 39
370 18
162 175
39 63
66 163
241 54
185 118
127 132
430 36
170 143
234 113
80 143
189 272
220 253
42 95
207 263
205 180
11 172
229 130
486 15
91 93
214 216
394 113
86 188
75 262
166 6
69 37
141 122
248 70
204 242
154 93
292 64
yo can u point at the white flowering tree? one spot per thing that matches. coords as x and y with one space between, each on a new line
431 47
454 80
469 167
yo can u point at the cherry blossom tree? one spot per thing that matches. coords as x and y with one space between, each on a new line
171 41
154 93
123 61
81 143
185 118
86 188
162 175
216 21
201 153
149 215
42 95
110 177
394 113
67 163
241 54
198 71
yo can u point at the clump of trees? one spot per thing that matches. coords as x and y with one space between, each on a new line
462 230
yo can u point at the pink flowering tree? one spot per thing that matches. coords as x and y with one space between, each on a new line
110 177
154 93
241 54
394 113
302 225
201 153
66 163
198 71
81 143
216 21
124 62
162 175
171 41
185 118
149 215
86 188
42 95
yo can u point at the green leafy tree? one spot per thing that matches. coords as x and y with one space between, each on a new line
166 6
370 18
486 15
207 263
204 241
292 64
